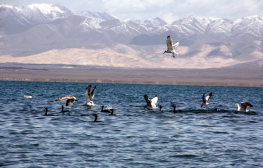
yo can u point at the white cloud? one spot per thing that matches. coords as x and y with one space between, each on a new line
169 10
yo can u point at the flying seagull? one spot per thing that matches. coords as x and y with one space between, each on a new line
170 46
151 104
70 99
243 107
89 96
206 99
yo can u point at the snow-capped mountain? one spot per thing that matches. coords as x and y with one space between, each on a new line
219 26
15 19
252 25
41 27
189 25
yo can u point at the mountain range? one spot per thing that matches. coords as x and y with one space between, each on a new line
40 28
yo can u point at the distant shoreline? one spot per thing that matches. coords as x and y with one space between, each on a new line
247 77
136 82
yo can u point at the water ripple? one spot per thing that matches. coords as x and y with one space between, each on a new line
135 137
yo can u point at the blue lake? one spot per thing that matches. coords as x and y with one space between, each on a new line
136 137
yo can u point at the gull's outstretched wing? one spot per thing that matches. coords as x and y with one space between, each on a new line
65 98
87 94
146 98
92 93
208 97
244 106
204 98
154 100
176 45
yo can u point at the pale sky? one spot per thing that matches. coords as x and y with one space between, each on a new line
169 10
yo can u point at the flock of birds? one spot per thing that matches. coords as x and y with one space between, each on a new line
171 49
150 105
89 94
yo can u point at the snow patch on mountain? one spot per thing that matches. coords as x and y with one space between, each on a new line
91 24
37 13
46 8
156 22
102 16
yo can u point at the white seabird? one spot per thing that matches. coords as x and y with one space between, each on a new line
70 99
28 97
151 104
89 96
243 107
170 46
206 99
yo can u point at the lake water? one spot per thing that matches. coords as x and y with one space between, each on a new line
136 137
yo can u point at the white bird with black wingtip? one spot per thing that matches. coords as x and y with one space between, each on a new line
170 46
244 106
151 104
89 96
206 99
